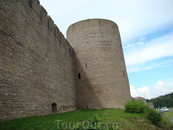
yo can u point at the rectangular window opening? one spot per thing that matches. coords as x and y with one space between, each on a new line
79 76
123 74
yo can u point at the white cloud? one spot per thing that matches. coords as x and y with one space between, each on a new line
56 8
161 88
133 91
137 56
141 92
141 17
157 48
140 43
136 68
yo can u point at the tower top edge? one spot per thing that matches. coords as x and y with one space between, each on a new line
91 20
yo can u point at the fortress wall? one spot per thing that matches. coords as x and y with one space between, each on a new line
101 75
37 66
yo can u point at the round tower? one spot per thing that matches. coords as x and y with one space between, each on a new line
101 76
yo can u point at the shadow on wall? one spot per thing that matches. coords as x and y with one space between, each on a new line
86 94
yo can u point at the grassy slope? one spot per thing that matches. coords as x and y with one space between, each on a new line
126 121
169 114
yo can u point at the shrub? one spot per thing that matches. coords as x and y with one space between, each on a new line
154 116
135 106
166 122
138 106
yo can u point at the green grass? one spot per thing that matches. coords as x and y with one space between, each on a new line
126 121
170 109
169 114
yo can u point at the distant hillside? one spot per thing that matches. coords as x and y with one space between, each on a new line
162 101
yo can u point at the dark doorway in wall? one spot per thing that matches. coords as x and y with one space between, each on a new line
54 108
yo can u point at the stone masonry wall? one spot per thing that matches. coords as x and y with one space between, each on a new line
37 66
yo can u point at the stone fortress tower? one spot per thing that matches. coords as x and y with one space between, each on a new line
42 72
102 80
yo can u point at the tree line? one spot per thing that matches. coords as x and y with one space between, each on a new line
162 101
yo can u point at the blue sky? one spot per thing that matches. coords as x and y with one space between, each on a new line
146 28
